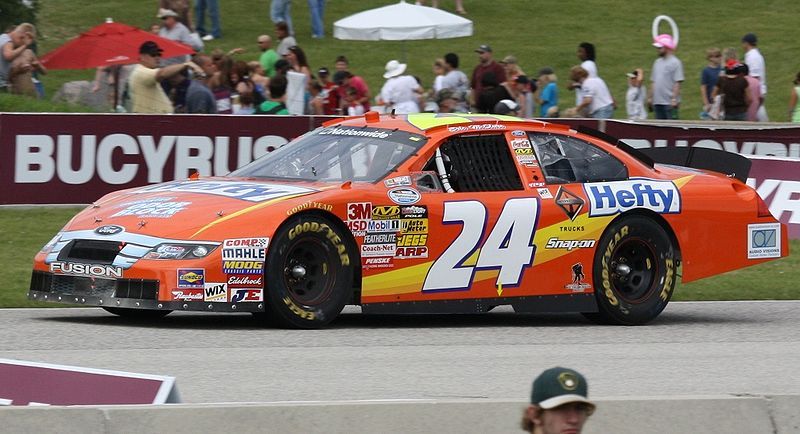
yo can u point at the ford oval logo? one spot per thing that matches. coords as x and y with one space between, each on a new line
109 230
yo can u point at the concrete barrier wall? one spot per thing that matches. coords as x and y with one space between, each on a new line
697 415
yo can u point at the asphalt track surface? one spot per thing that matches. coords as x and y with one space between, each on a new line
693 348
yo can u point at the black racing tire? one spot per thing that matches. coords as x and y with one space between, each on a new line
309 273
635 271
137 313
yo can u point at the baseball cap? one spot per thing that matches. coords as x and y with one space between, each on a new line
150 48
664 40
558 386
750 38
323 71
483 49
163 13
631 74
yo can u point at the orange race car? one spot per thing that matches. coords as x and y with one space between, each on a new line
419 214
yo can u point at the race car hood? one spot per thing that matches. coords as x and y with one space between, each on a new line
178 209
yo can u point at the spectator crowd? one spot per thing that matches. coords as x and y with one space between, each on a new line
282 80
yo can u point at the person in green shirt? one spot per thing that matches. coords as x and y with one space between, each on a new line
268 55
277 97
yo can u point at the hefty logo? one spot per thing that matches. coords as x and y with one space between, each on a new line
609 198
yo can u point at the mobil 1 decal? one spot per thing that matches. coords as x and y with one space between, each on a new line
508 248
609 198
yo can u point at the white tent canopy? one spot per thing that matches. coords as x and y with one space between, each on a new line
401 22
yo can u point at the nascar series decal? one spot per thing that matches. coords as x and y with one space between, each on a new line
249 191
404 195
764 240
508 247
609 198
157 207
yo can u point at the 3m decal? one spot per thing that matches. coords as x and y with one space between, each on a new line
508 248
358 214
609 198
569 203
90 270
243 295
215 292
764 240
191 277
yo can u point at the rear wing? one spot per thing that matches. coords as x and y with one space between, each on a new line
715 160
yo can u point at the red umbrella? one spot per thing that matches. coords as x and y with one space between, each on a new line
108 44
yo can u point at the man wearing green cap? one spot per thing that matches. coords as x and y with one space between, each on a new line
559 403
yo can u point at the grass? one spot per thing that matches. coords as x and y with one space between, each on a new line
541 33
25 231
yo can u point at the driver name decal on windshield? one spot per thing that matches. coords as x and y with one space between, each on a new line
249 191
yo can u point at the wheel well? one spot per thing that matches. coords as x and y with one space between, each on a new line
350 239
658 219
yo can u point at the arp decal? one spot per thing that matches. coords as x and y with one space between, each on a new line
764 240
508 247
191 277
249 191
609 198
411 252
577 284
569 203
215 292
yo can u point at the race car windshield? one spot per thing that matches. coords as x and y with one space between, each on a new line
337 154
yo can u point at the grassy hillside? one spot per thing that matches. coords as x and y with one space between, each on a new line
540 33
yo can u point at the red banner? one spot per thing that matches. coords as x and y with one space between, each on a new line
76 158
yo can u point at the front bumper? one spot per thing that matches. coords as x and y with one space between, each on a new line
125 293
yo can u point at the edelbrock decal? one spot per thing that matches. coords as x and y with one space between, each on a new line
609 198
249 191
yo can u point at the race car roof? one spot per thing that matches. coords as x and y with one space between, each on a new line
428 121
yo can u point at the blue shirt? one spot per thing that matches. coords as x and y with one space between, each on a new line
709 77
549 98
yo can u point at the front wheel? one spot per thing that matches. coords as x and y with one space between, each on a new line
309 273
137 313
634 272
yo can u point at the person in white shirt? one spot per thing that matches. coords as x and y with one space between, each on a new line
596 99
755 61
586 54
400 92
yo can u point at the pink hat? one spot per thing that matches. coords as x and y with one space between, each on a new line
664 40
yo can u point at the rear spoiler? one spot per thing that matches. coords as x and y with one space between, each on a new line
715 160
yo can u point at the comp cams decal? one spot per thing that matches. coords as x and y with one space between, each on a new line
609 198
244 255
249 191
764 240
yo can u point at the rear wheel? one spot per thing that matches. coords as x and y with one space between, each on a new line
309 273
634 272
137 313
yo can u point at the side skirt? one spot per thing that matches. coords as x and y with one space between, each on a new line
541 303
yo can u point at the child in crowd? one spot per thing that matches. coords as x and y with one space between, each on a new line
634 98
354 108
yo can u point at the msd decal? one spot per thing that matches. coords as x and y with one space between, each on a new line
609 198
